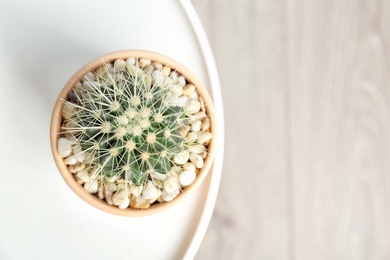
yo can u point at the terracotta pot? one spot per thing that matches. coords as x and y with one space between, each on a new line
56 121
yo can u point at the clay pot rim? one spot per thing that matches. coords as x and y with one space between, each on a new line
57 119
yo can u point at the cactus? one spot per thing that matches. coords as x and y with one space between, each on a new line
130 126
131 123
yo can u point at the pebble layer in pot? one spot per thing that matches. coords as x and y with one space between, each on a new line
132 132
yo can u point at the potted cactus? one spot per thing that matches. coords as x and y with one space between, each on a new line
132 132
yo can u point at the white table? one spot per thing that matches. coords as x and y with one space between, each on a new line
42 43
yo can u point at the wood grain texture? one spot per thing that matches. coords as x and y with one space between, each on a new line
306 88
340 129
251 217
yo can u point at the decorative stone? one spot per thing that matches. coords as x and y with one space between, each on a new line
64 147
187 177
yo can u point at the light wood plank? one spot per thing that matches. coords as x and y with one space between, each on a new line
251 216
312 78
340 104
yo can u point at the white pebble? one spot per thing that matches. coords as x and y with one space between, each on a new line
64 147
90 85
120 185
169 196
181 157
202 107
71 160
197 148
204 137
205 124
101 71
176 169
166 71
171 99
170 185
144 62
188 89
125 203
119 65
83 175
192 136
78 153
181 101
197 160
71 138
149 192
158 77
168 82
193 107
70 125
149 69
187 177
181 81
100 192
177 90
108 197
135 71
157 65
196 125
91 186
78 87
126 187
159 184
193 96
174 76
136 191
90 76
112 179
151 201
109 67
183 130
77 167
148 81
130 61
158 176
119 197
111 187
68 110
200 115
189 167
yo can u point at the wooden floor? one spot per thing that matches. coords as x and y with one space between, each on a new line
306 88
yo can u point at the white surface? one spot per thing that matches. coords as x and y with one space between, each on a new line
213 80
42 43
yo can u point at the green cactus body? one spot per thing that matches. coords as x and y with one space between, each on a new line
134 134
128 124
